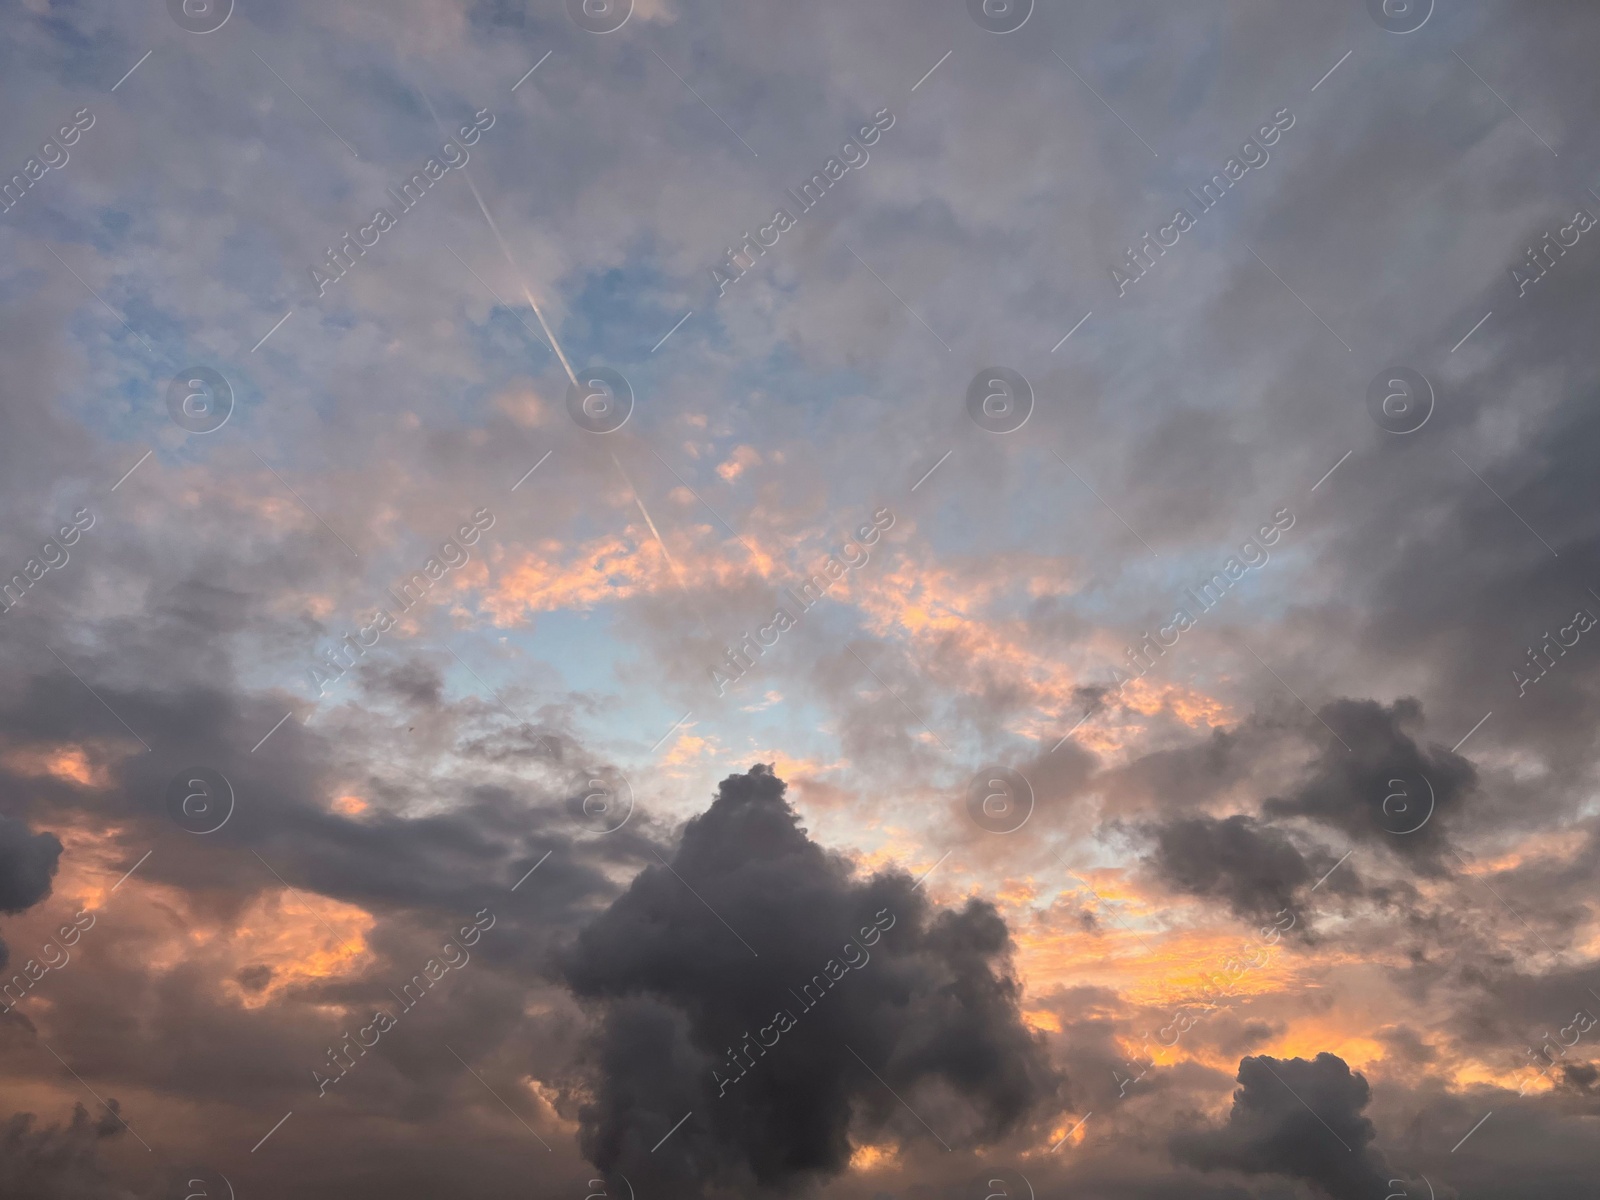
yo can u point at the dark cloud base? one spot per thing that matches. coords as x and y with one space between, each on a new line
28 862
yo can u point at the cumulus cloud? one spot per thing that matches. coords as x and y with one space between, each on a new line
1296 1118
756 982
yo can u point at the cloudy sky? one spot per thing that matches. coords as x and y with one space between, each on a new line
928 599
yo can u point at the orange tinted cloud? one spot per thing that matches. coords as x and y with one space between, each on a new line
609 568
687 749
1041 1019
948 611
873 1158
554 576
742 458
68 762
519 401
297 939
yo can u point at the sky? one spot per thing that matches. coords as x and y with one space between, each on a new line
907 601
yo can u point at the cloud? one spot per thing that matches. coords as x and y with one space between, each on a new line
1296 1118
1581 1077
730 994
57 1162
28 862
994 614
1254 868
1380 785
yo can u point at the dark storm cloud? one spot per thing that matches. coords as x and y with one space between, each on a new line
56 1162
1254 868
929 1005
1296 1118
28 862
1376 784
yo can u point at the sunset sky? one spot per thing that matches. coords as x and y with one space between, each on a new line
531 524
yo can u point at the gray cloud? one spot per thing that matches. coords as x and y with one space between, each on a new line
58 1162
1254 868
1296 1118
1376 784
28 862
929 1011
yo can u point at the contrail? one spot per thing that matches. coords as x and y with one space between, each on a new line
506 250
676 574
527 295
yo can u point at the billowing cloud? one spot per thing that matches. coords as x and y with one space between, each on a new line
1296 1118
753 982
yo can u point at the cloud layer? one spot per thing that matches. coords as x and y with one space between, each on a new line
1294 662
